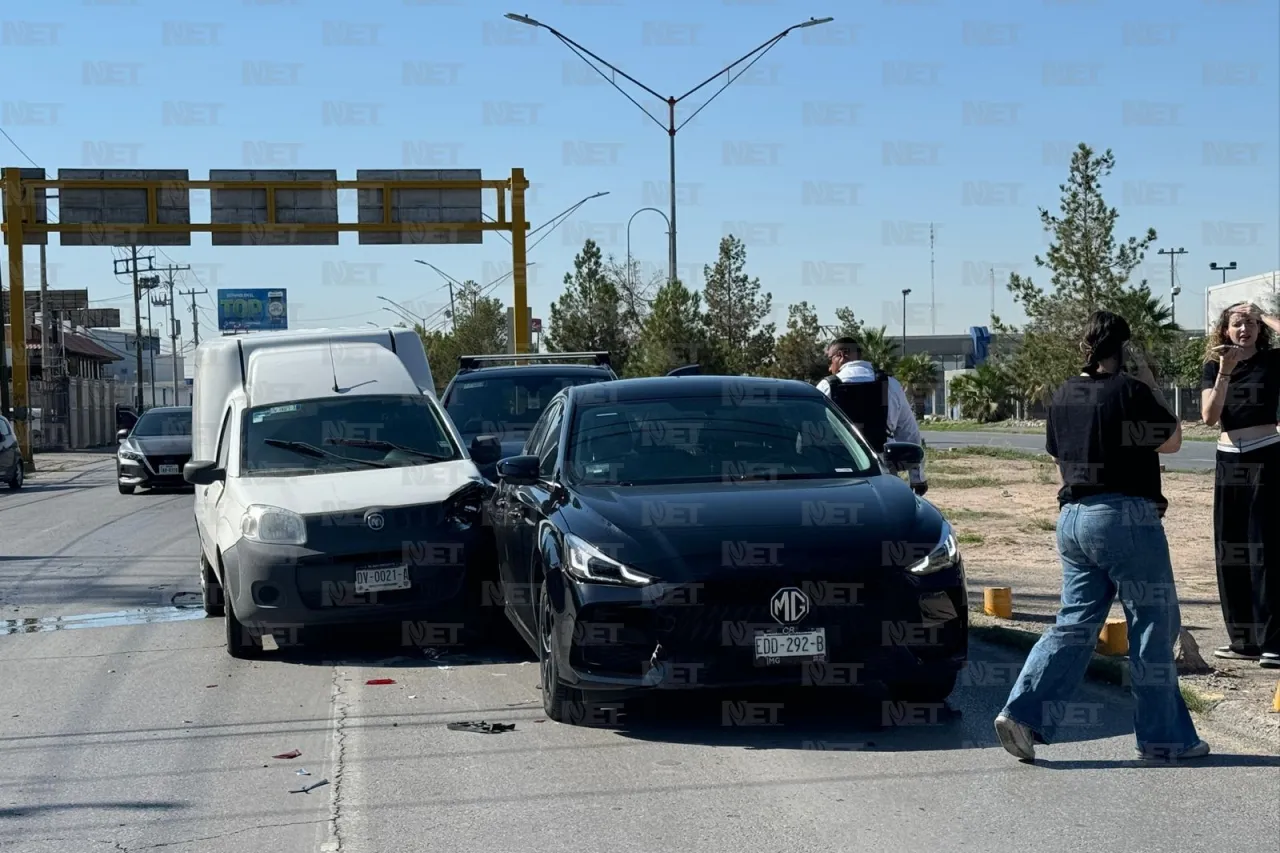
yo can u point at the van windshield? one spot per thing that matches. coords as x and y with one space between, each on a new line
344 434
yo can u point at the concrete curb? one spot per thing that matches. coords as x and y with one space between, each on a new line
1107 670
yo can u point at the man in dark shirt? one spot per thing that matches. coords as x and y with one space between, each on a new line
1105 431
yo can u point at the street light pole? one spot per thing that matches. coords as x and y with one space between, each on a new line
1223 269
670 230
906 291
670 127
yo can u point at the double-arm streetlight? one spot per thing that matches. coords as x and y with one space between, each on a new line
1217 267
670 126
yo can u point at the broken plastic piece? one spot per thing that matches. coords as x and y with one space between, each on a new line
291 754
308 788
380 681
302 771
482 727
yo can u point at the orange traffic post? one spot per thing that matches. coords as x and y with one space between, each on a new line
998 601
1114 638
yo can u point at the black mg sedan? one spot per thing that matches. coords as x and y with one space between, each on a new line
714 531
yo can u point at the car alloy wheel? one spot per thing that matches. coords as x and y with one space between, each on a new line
560 702
19 476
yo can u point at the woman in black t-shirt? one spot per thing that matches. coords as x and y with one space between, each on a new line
1240 390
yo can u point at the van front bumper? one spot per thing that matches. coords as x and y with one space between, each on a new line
281 588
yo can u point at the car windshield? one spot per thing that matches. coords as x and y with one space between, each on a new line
506 406
156 424
707 439
344 434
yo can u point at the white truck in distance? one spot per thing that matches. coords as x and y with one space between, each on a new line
332 488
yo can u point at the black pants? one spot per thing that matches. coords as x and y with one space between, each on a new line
1246 527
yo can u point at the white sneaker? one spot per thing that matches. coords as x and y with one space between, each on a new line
1016 738
1197 750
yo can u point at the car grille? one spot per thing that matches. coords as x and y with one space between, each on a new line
168 459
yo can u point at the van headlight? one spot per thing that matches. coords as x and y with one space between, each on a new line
272 525
944 556
588 563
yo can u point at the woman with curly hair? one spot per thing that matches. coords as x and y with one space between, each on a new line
1240 390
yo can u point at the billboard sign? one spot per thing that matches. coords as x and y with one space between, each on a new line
257 310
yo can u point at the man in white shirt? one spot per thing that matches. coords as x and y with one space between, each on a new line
845 356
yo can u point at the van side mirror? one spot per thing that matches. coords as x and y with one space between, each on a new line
204 472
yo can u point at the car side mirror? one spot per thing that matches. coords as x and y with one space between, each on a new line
204 472
519 470
903 454
121 435
486 449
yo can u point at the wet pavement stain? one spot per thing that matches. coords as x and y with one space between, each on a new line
180 612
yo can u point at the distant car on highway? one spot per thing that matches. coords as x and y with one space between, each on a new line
11 467
153 453
715 531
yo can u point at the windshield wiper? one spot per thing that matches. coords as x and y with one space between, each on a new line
379 444
301 447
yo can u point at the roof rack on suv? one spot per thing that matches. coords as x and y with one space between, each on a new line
472 362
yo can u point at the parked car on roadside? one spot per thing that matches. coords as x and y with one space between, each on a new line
12 470
153 453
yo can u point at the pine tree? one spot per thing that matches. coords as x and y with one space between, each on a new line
1089 269
799 350
735 313
589 315
673 334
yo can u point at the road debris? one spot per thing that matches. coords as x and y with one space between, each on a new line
381 681
306 789
291 754
302 771
482 727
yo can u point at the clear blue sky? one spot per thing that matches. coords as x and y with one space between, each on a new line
1184 92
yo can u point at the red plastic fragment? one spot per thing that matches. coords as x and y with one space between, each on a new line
380 681
292 754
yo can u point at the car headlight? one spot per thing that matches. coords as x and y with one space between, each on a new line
272 525
944 556
127 452
588 563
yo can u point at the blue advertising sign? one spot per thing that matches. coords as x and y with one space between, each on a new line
258 310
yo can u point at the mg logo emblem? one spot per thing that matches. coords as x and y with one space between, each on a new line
789 605
374 519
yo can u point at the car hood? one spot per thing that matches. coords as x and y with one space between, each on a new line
683 533
161 445
346 491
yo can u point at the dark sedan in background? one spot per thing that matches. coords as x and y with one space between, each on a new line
153 452
722 532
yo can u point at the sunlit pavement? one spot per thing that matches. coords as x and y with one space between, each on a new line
127 726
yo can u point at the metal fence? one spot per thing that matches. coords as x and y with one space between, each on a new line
72 413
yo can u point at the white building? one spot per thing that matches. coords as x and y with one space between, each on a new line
1261 289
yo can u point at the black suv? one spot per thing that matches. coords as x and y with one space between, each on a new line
487 397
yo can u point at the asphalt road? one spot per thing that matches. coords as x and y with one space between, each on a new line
1193 456
128 735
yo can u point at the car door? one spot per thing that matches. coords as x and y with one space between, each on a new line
500 514
8 449
207 496
525 510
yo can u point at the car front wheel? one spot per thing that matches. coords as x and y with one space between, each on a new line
241 643
19 475
560 702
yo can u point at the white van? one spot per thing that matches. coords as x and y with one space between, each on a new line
332 488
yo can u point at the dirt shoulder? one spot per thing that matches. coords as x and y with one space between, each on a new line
1004 508
1191 430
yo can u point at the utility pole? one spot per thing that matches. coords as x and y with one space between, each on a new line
195 315
1174 290
168 301
45 373
905 293
933 293
993 292
150 283
131 267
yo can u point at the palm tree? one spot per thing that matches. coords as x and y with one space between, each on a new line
879 349
919 377
982 395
